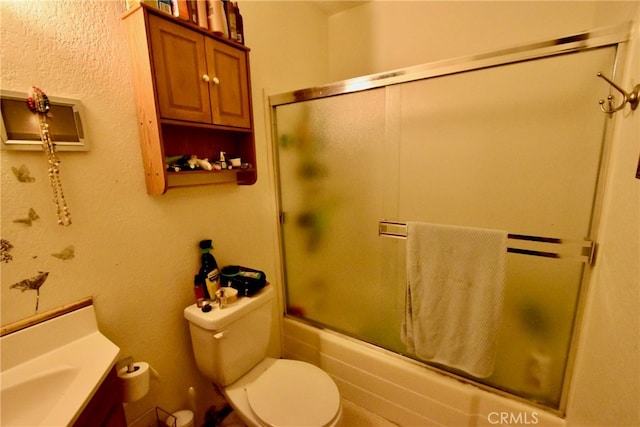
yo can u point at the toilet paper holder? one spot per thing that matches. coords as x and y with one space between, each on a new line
129 363
133 367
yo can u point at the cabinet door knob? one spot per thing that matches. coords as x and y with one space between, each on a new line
205 78
216 80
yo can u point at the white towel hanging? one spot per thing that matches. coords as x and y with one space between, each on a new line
455 288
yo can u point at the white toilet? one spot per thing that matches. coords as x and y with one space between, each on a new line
230 346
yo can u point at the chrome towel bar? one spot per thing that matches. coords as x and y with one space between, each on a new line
547 247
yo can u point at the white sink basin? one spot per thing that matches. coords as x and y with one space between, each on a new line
39 394
51 370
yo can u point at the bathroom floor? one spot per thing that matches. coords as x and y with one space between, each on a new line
352 416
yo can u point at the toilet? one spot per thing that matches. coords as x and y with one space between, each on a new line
230 346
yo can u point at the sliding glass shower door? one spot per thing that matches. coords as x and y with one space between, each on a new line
332 163
516 146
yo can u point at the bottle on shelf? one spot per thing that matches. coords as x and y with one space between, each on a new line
239 25
231 19
201 11
223 160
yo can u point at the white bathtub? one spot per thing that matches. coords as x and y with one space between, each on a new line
401 390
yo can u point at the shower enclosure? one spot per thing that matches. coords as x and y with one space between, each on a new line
512 140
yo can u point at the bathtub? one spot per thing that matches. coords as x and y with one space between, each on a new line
401 390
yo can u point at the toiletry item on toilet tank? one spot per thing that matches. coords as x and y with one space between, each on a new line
198 289
209 269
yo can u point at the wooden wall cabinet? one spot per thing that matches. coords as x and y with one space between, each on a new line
193 97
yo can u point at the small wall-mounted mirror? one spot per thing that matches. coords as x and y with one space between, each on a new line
20 129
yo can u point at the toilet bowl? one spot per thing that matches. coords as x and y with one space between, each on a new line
285 393
230 345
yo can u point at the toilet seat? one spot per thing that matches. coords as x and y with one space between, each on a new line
294 393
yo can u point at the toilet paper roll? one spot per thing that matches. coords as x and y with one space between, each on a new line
134 385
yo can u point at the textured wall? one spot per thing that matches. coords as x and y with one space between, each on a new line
75 61
135 254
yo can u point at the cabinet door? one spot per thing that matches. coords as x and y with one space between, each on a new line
180 71
229 86
105 407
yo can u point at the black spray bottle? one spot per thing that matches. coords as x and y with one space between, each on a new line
209 270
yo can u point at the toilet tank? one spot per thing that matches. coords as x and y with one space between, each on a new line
227 342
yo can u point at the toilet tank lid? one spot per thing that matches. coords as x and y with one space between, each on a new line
219 318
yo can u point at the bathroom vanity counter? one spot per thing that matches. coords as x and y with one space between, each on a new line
51 370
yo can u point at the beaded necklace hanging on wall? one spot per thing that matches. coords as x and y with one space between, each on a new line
38 102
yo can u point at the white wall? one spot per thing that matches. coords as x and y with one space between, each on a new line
135 254
385 35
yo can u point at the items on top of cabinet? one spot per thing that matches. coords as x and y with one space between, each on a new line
239 24
225 19
202 13
163 5
180 9
217 19
221 17
230 11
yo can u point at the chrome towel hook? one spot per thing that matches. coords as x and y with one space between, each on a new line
632 98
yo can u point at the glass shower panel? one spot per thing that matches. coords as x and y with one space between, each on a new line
331 172
515 147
